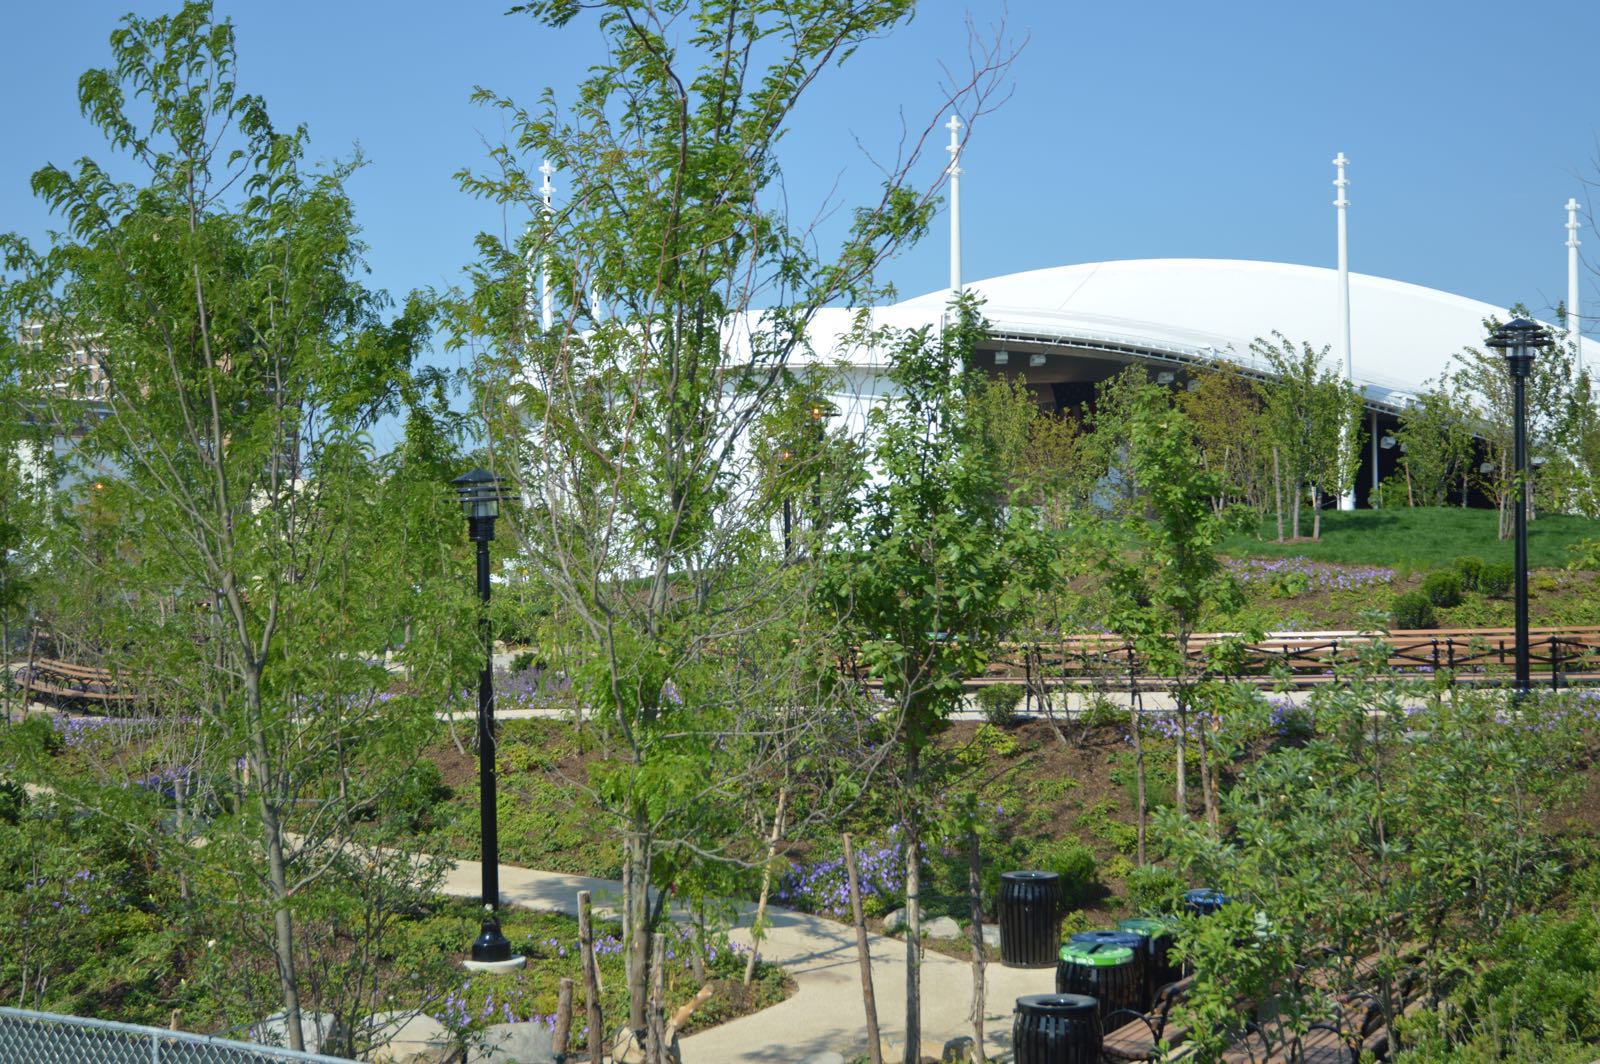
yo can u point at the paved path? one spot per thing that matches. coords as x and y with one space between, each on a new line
825 1012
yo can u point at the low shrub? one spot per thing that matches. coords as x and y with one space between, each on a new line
1103 712
1443 588
1413 609
1584 554
416 796
1154 891
1470 566
525 660
1495 580
12 801
998 701
1159 778
1073 862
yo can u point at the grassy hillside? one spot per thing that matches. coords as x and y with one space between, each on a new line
1417 538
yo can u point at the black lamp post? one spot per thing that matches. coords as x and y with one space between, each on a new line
1518 340
788 510
479 491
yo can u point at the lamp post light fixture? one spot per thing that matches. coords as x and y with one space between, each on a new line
479 491
1518 340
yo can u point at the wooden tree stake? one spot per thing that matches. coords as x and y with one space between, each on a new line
563 1028
591 978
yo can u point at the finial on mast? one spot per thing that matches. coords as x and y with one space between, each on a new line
546 190
954 147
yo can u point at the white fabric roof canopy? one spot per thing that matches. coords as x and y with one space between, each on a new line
1402 335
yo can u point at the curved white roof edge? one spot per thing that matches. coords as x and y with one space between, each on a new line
1402 335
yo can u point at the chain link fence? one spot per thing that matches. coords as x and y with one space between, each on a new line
43 1038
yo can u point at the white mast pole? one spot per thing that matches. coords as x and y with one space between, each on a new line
546 191
954 148
1574 312
1347 501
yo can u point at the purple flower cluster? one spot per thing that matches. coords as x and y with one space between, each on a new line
75 731
165 780
824 887
1288 719
530 688
1165 726
1307 574
69 895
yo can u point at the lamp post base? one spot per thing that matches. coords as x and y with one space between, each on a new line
492 952
496 967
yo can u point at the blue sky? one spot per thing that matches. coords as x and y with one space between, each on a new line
1135 129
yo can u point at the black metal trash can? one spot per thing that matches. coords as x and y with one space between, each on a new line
1204 901
1030 919
1159 968
1056 1029
1127 939
1107 973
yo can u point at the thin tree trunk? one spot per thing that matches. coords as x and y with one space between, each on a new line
913 1054
697 956
656 1039
627 892
1277 492
1208 783
1294 513
1043 694
1316 513
1136 726
975 891
913 837
638 938
277 868
756 929
180 792
591 978
1181 787
5 669
864 954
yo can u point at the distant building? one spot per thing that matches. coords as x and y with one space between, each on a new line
1063 330
82 370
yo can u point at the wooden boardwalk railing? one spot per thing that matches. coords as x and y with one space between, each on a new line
1558 656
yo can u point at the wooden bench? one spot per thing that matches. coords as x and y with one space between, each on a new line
1139 1038
65 681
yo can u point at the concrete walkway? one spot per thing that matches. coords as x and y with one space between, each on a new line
825 1012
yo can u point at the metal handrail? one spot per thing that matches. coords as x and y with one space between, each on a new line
26 1035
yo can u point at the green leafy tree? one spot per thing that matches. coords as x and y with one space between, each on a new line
1484 381
1361 840
1226 414
1436 445
681 292
250 576
1160 589
1312 417
929 568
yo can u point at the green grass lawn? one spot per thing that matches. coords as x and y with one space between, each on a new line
1420 538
